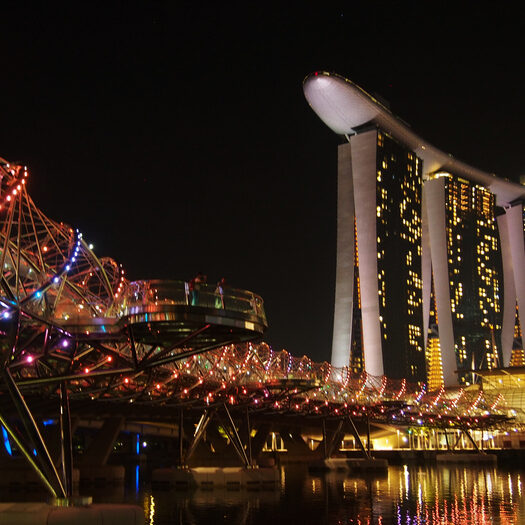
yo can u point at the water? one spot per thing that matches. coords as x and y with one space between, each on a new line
410 495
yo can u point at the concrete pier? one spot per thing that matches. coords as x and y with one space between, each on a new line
348 464
491 459
213 477
45 514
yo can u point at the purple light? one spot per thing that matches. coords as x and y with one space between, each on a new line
65 343
56 280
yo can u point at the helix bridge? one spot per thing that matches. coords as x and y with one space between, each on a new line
75 330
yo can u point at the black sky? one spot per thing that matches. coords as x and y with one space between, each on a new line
175 135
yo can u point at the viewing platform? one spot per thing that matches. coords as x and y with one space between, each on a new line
161 310
164 309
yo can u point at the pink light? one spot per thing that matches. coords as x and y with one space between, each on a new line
29 358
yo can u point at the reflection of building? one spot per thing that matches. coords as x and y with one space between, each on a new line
417 227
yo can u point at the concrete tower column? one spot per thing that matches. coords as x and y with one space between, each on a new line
434 196
517 250
426 268
364 168
509 292
344 279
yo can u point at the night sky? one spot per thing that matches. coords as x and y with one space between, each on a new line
176 136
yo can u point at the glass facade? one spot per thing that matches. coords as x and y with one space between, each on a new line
474 272
398 227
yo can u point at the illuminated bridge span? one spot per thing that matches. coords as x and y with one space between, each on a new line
73 327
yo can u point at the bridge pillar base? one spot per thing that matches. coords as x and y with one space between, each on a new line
232 478
466 457
347 464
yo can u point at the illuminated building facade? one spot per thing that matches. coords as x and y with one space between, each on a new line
381 255
417 227
433 349
517 357
468 282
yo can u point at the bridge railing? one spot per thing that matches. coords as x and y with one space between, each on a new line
142 294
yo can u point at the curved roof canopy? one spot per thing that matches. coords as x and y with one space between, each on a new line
343 106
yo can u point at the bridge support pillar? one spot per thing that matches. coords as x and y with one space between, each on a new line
260 439
231 431
199 433
333 439
28 438
101 447
66 436
357 437
181 438
468 434
248 437
51 434
294 442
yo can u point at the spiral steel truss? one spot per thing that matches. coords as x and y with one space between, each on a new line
73 327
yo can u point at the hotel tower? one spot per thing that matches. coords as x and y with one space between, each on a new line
430 251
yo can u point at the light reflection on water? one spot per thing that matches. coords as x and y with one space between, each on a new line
408 495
